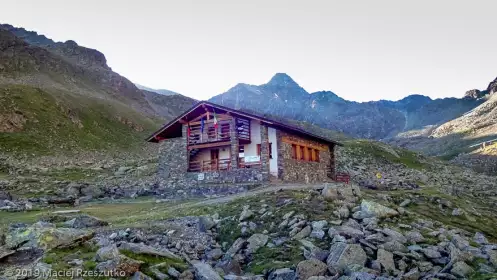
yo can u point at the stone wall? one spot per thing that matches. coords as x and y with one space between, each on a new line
264 153
297 170
173 158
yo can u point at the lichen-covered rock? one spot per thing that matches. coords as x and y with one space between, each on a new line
256 241
303 233
147 250
206 223
385 258
85 221
283 274
107 253
246 214
414 237
413 274
461 269
343 255
371 209
330 192
45 237
204 271
308 268
140 276
431 253
492 255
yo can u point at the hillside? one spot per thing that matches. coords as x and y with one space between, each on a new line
462 137
61 98
371 120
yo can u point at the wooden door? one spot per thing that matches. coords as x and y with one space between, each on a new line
214 159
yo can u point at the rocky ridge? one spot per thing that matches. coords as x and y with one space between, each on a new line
372 120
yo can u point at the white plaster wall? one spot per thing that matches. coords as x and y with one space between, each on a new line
255 135
273 162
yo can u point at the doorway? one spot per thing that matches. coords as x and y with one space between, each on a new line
214 159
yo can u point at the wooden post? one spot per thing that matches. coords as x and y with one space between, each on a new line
234 147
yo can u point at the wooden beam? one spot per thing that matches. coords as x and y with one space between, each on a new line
209 145
209 121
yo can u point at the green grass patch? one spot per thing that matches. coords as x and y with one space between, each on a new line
150 260
59 258
62 122
75 174
287 255
379 150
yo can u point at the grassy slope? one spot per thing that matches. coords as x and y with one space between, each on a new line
363 148
59 121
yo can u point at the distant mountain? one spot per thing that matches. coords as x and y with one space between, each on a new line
59 97
159 91
283 97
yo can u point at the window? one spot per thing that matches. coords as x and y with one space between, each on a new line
294 151
270 150
241 149
302 153
316 152
309 154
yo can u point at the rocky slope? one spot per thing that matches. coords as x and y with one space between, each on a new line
63 98
160 91
462 137
372 120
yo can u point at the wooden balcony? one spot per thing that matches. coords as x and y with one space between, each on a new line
211 136
209 133
210 165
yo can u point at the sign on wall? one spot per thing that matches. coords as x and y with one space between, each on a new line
200 176
252 158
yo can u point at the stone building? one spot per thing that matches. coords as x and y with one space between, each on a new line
211 144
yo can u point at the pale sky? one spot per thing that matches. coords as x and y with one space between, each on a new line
360 49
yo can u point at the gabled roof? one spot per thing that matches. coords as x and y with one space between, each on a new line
173 128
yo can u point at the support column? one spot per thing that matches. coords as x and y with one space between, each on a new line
264 153
184 139
234 144
332 170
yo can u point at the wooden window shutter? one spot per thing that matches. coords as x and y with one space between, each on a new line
294 151
317 155
258 149
302 152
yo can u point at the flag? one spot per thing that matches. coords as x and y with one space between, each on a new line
215 120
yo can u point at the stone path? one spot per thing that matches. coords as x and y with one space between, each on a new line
257 191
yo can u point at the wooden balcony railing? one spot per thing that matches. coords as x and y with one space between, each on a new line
221 134
210 165
209 133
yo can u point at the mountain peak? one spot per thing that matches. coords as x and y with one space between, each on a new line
282 79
